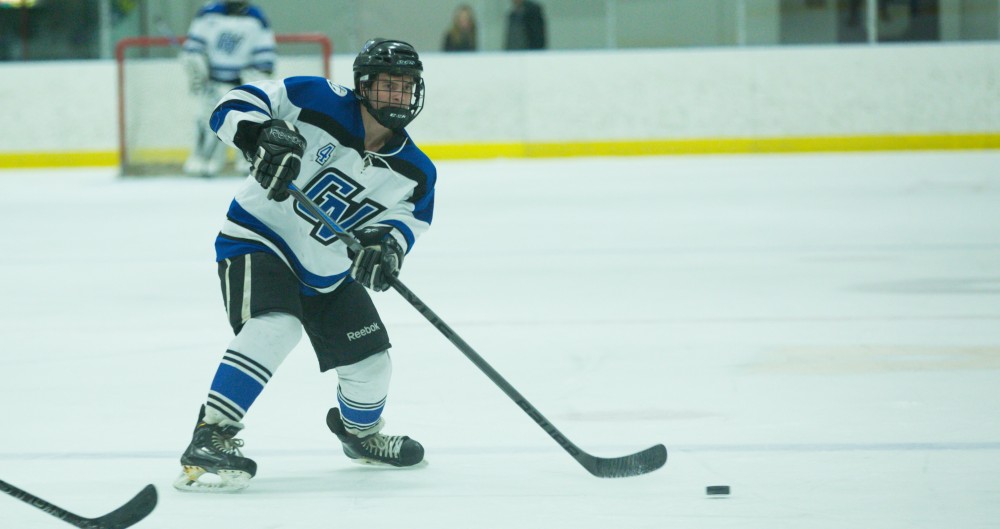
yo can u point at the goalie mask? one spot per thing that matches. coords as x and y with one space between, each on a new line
393 99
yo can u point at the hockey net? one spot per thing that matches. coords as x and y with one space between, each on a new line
157 113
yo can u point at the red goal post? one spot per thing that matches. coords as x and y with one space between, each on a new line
156 113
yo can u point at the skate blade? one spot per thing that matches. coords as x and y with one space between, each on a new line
196 479
382 464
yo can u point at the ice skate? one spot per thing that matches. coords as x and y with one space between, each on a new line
213 461
371 447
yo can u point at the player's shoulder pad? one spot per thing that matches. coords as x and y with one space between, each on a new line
258 13
214 7
328 106
209 9
412 163
315 92
413 154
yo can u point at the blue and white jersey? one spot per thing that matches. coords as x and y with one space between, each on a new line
393 187
231 43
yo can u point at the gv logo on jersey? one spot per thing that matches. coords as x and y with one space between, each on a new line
337 195
228 42
323 155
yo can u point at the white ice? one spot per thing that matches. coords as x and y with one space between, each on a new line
819 332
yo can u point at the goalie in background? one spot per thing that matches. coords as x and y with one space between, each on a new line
228 44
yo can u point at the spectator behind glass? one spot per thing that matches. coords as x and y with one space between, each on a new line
525 26
461 36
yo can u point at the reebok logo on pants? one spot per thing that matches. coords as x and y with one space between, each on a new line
365 331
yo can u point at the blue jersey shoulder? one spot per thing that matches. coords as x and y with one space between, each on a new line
212 8
412 154
331 104
257 13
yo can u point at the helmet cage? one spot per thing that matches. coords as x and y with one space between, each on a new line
395 58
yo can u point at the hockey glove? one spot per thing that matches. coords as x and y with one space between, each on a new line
278 157
379 261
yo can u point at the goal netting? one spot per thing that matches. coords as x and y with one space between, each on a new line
157 113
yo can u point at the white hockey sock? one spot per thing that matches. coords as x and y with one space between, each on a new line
252 358
362 391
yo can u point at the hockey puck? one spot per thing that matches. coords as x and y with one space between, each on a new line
717 490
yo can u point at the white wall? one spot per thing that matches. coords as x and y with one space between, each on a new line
56 106
598 95
715 92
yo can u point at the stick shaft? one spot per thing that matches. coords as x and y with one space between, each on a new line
39 503
486 368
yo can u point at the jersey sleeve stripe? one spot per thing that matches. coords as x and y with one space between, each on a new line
223 110
405 230
259 94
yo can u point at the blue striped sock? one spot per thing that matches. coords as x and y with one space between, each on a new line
359 415
237 383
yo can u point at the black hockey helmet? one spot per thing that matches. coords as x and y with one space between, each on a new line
395 57
236 7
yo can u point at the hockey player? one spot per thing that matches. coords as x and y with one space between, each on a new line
282 270
229 43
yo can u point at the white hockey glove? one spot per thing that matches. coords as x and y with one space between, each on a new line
278 157
379 261
196 66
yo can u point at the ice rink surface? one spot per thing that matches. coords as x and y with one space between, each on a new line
819 332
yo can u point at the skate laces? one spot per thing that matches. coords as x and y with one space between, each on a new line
384 445
225 442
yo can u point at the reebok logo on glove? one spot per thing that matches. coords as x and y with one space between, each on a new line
278 157
288 138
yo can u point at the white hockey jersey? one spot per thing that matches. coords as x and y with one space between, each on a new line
356 188
231 43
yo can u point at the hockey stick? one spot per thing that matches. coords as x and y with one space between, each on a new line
125 516
635 464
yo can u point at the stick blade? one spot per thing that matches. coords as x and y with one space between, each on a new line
129 514
636 464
